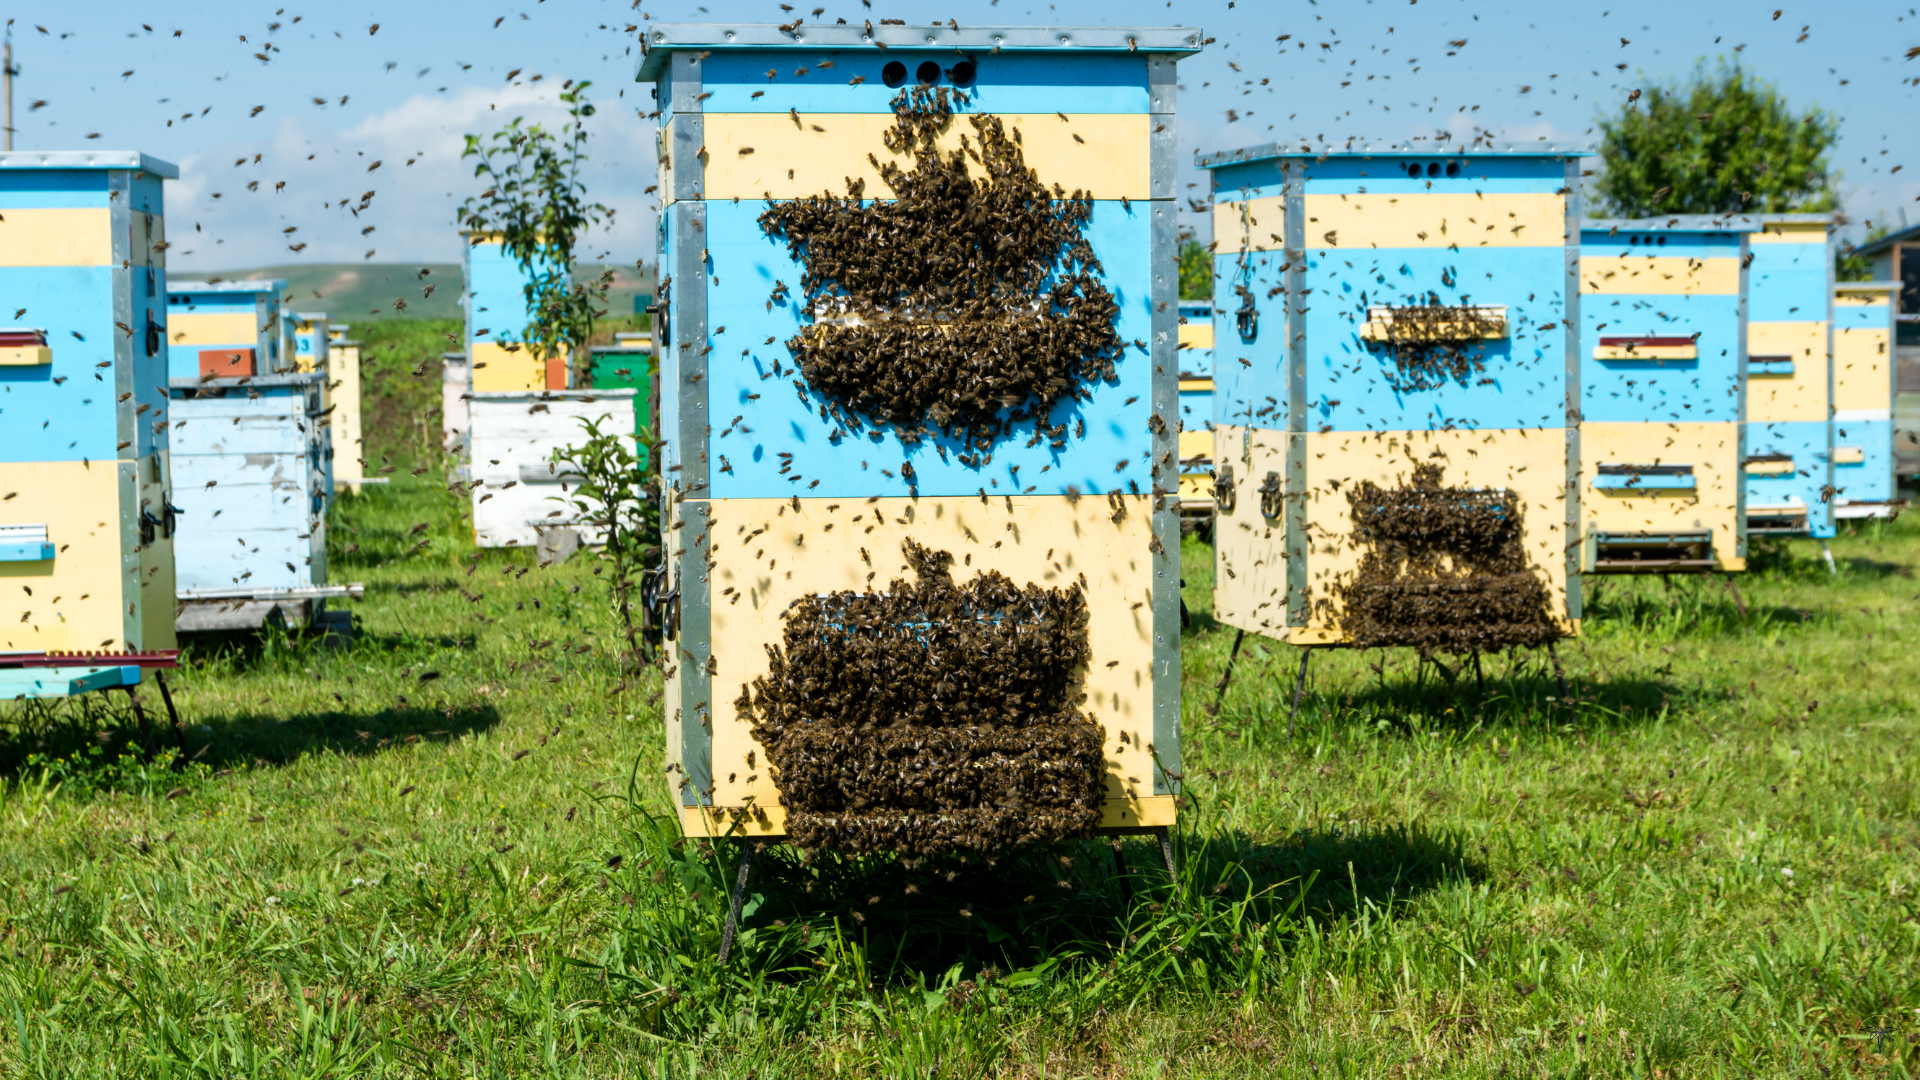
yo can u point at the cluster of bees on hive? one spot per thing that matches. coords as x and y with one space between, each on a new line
932 718
1432 343
1443 569
934 310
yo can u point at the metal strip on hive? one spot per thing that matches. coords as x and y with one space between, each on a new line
1295 545
1570 322
1164 474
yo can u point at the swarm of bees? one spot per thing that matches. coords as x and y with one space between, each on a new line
1432 342
1444 570
932 718
952 277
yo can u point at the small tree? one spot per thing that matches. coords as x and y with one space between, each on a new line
537 204
612 493
1723 143
1196 271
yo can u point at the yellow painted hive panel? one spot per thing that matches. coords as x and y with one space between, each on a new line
80 598
56 236
1713 450
1862 378
856 545
1800 396
762 155
1658 275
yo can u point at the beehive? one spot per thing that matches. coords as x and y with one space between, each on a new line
86 524
1395 355
1863 389
1790 376
344 428
1662 416
250 460
1196 408
497 316
843 417
518 490
310 340
628 365
224 329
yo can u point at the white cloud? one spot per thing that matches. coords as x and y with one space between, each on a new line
418 186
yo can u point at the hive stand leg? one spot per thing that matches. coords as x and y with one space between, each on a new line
1827 554
1739 605
739 894
1299 687
1227 675
1120 871
147 741
1166 852
1479 680
1554 655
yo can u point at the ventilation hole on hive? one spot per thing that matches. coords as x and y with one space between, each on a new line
1662 241
1413 169
928 73
961 74
1433 169
894 73
1633 241
1453 168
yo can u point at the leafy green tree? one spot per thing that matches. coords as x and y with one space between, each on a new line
1723 142
1850 265
1196 271
537 204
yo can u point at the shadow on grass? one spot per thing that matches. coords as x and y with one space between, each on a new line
97 732
1083 900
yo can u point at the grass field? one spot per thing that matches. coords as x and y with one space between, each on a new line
439 852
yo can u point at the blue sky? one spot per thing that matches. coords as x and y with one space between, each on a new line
432 72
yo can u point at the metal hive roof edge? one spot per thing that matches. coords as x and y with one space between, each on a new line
1679 223
1867 286
1270 151
661 39
89 159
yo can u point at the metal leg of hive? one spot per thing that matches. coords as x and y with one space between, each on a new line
1479 680
739 894
1558 673
1827 554
148 742
1120 871
1299 688
1739 605
1227 676
166 695
1166 852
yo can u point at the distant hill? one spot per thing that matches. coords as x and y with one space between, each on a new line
358 292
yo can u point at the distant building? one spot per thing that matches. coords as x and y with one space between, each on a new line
1896 257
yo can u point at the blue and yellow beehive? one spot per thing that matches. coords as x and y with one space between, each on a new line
498 314
1789 462
225 329
310 340
86 521
344 421
1196 407
1396 356
782 491
1662 393
1863 390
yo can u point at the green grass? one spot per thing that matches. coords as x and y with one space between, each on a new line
439 852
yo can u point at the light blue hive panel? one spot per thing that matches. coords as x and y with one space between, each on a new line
776 420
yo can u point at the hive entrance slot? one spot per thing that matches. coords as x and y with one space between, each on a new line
932 718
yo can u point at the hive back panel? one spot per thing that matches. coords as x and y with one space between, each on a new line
1396 354
86 526
1790 376
1863 389
907 454
1662 434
